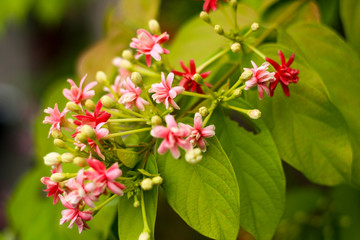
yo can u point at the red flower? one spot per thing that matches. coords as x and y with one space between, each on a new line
188 81
93 119
210 4
53 188
284 74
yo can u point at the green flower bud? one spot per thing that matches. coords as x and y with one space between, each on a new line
125 64
236 47
198 78
52 159
204 111
157 180
237 92
89 104
73 107
233 3
255 26
136 204
246 75
67 157
80 161
144 236
219 30
147 184
205 17
108 102
154 27
57 177
88 132
156 120
128 55
255 114
101 77
59 143
55 133
136 78
193 156
81 137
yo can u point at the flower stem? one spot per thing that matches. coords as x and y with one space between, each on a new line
143 211
199 95
145 71
211 60
118 114
127 120
255 50
245 111
100 206
127 133
122 108
211 110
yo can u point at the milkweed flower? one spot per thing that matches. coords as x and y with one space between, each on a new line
105 177
131 96
149 45
284 73
164 92
56 117
260 78
74 215
78 94
188 81
198 133
173 136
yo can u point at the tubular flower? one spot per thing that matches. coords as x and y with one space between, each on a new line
210 4
131 96
80 191
173 136
261 77
55 118
188 81
284 74
93 119
149 45
100 133
74 215
53 188
105 177
77 94
198 133
164 92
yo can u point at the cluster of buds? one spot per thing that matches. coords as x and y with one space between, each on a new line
95 133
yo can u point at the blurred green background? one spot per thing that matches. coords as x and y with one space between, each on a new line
43 42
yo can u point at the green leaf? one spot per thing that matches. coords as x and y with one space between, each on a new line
205 195
259 172
127 157
350 16
339 69
308 129
130 218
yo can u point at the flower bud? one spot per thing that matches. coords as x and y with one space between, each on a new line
144 236
52 159
198 78
73 107
170 109
89 104
88 132
136 204
193 156
255 114
127 55
156 120
147 184
205 16
204 111
108 102
154 27
136 78
101 77
56 133
236 47
237 92
57 177
81 137
233 3
157 180
255 26
59 143
80 161
246 75
218 29
125 64
67 157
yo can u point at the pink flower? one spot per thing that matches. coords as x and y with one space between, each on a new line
261 77
74 215
164 92
210 4
55 117
100 133
284 74
105 177
149 45
123 73
188 81
173 137
53 188
93 119
118 84
77 94
80 191
198 133
131 96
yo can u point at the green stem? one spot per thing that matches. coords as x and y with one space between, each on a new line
127 120
211 60
100 206
108 85
255 50
211 110
122 108
227 75
143 211
118 114
235 86
199 95
145 71
235 19
127 133
245 111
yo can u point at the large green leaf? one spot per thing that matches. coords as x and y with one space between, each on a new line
130 218
338 66
308 129
350 16
205 195
259 172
